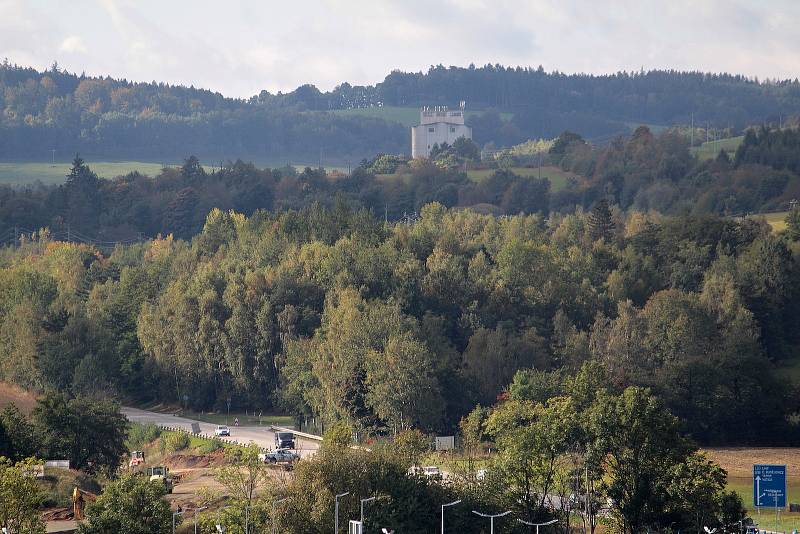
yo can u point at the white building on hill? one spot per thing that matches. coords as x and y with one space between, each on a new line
437 125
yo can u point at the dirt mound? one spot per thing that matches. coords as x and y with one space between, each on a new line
9 393
195 461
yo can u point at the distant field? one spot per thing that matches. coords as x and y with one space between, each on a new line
29 172
710 149
738 462
15 173
407 116
558 178
776 220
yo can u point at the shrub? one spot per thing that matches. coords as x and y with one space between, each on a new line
140 435
174 442
210 445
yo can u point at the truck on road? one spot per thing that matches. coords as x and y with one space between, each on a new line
284 440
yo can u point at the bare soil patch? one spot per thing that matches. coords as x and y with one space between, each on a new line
195 461
24 400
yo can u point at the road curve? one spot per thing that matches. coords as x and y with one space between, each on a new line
262 436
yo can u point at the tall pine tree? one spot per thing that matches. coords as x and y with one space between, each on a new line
600 222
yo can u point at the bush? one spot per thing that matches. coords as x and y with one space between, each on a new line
210 445
174 442
140 435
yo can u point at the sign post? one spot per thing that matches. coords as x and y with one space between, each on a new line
769 487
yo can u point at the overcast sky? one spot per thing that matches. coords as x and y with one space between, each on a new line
241 47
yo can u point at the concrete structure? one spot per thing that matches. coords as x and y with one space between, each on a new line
437 125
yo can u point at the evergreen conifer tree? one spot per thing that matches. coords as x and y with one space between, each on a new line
600 222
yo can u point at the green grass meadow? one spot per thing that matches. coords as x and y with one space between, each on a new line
776 220
766 518
15 173
710 149
558 178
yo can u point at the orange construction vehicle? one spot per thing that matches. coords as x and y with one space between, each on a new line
137 459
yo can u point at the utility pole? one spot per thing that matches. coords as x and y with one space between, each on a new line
691 143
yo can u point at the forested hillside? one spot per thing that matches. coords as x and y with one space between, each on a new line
333 313
117 119
109 118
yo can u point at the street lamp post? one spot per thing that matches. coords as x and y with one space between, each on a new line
274 512
174 515
336 507
491 518
537 525
444 506
195 516
362 507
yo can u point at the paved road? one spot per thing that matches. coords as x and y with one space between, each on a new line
260 435
61 526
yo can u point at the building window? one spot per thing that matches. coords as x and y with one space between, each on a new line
431 130
452 129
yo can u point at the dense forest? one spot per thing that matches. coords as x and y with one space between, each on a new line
644 172
335 314
109 118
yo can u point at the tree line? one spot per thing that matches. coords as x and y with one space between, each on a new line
336 314
110 118
644 172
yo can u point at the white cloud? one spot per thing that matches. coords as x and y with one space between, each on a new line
240 47
73 45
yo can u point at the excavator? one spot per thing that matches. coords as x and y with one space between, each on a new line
79 499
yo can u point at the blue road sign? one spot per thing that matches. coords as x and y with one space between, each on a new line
769 485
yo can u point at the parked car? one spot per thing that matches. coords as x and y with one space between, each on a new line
284 440
279 456
222 430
